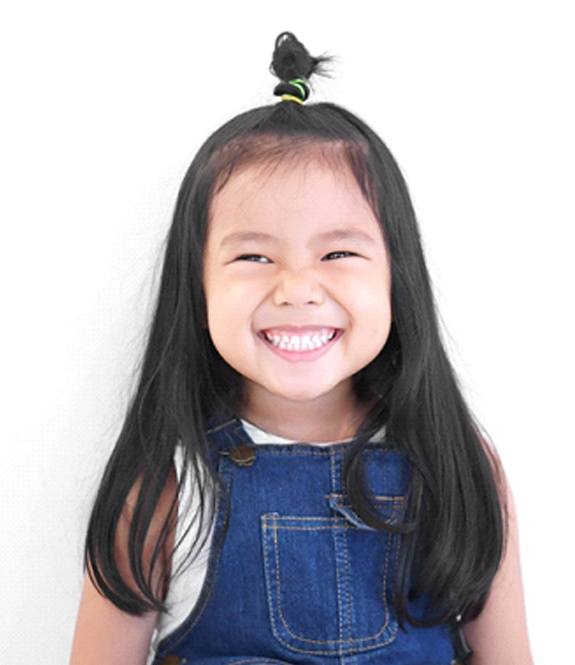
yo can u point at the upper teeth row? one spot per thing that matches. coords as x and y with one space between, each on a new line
300 342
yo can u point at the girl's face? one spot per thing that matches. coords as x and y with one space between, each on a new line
296 275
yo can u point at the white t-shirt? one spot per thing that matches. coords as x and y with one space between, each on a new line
185 588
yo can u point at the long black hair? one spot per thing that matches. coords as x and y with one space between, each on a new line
455 527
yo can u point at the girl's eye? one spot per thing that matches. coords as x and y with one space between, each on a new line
248 256
350 253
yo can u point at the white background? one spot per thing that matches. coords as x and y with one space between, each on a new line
104 106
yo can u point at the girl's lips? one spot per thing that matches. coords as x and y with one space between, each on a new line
298 356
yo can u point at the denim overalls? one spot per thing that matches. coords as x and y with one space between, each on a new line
299 578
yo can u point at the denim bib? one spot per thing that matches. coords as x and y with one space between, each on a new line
299 578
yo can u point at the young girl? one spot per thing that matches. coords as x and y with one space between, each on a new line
298 478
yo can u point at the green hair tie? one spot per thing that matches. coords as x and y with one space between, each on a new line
297 84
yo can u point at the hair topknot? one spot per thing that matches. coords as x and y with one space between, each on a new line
291 60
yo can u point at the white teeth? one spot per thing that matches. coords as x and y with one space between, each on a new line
300 342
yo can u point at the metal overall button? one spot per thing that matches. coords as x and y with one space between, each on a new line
172 659
243 455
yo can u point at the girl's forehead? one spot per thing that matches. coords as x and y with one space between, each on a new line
312 185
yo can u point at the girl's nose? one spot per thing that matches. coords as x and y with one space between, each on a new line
298 288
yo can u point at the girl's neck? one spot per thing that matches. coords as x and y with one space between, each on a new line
318 426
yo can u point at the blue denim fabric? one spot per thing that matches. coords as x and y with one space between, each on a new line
299 577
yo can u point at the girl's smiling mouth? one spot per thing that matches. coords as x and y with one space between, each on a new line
301 355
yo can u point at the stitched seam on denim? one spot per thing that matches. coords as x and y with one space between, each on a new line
349 608
269 581
336 536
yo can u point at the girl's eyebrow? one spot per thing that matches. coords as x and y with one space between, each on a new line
335 234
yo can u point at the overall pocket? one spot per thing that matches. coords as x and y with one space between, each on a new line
329 578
